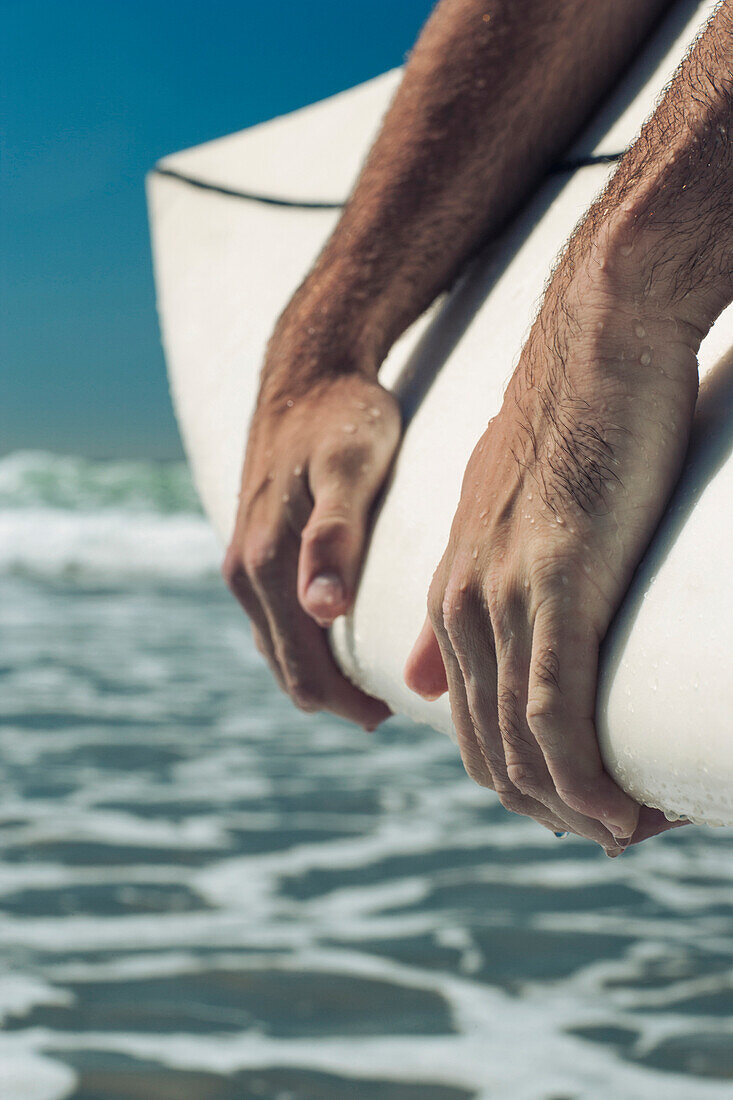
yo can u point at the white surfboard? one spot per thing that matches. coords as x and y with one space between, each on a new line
226 265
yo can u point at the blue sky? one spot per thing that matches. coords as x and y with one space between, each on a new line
91 95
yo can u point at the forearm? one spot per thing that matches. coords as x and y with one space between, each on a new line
493 92
661 234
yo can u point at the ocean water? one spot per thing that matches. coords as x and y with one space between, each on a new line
205 895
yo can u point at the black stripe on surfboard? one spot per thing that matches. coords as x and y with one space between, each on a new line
304 204
252 196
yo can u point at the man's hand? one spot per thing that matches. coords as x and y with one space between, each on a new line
559 501
567 485
315 463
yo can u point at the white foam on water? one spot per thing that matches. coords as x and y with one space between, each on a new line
109 544
28 1075
62 516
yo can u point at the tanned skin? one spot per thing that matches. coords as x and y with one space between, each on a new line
578 466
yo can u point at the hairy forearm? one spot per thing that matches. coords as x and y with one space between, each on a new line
661 234
493 92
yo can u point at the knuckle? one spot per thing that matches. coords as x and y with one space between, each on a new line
435 602
510 798
346 460
334 527
510 723
233 571
504 602
260 553
547 668
544 717
526 778
305 693
451 608
578 798
459 608
557 582
477 771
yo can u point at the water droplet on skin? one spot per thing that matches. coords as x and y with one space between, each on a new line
559 521
349 428
289 403
639 330
298 471
645 359
530 496
286 498
361 405
483 514
599 326
474 555
526 584
375 412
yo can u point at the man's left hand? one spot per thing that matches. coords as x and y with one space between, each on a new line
559 501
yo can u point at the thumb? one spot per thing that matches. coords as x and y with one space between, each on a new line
332 542
424 670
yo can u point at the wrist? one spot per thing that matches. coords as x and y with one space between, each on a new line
324 332
598 322
617 288
665 271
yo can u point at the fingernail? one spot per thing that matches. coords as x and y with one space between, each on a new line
620 832
326 588
612 853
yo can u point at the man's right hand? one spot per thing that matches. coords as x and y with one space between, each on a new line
317 457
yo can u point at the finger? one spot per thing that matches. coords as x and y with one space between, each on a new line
476 655
235 576
424 670
344 484
526 767
560 713
652 823
310 673
483 761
